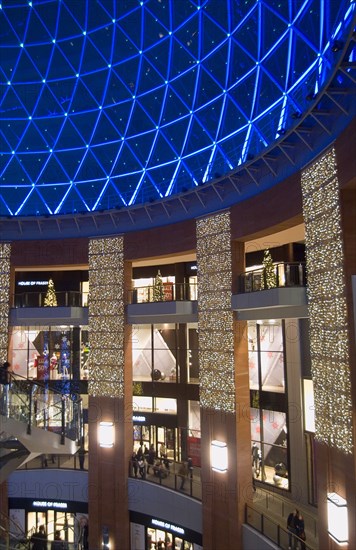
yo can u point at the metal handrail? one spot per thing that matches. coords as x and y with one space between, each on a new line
35 404
71 298
168 292
273 530
283 274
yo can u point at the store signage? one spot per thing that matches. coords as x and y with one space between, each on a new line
166 525
137 418
49 504
33 283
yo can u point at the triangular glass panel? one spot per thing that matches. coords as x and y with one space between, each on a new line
221 164
198 138
209 116
181 60
109 198
52 195
68 24
41 58
132 27
60 68
152 103
83 99
127 185
233 118
34 204
37 30
127 162
141 146
189 37
302 57
217 66
105 131
13 197
176 134
70 161
276 27
72 49
33 140
71 203
277 64
28 96
182 11
198 163
243 94
159 57
85 124
26 70
148 78
90 191
53 172
184 87
162 176
48 106
308 25
154 29
248 35
116 91
9 61
32 164
160 12
123 48
208 89
140 121
92 61
49 128
106 155
90 169
214 30
69 137
11 104
267 93
162 152
48 14
174 107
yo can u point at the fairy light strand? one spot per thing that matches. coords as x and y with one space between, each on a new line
106 317
215 318
329 341
5 256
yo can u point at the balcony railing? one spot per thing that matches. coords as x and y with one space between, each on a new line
168 292
281 275
70 298
273 531
34 404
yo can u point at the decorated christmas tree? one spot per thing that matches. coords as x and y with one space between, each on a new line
158 294
268 276
50 299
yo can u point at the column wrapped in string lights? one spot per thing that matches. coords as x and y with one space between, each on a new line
215 318
329 343
106 317
5 252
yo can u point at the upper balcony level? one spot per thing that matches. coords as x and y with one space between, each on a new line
277 292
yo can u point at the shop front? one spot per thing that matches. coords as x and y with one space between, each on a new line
152 533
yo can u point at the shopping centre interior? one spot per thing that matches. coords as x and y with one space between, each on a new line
178 273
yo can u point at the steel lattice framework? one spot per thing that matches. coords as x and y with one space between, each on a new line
110 104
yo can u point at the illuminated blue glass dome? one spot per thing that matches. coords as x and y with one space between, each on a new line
112 104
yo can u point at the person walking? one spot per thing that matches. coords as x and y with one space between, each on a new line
39 539
151 458
291 526
300 532
58 543
183 474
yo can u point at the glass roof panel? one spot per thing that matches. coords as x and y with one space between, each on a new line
111 103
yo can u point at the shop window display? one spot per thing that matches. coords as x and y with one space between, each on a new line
46 353
269 433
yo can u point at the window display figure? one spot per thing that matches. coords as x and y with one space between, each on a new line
255 452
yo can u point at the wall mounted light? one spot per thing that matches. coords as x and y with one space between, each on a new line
218 456
338 525
106 435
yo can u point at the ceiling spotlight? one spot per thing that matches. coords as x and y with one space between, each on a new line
281 131
336 46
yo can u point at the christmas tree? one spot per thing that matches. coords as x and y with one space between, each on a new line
50 299
158 294
268 275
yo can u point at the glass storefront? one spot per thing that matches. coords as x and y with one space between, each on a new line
269 423
50 352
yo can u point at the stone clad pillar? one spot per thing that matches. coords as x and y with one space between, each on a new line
110 393
224 384
331 260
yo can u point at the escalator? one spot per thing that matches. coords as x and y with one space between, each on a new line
36 420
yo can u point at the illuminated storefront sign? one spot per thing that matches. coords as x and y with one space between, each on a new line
32 283
49 504
168 526
137 418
